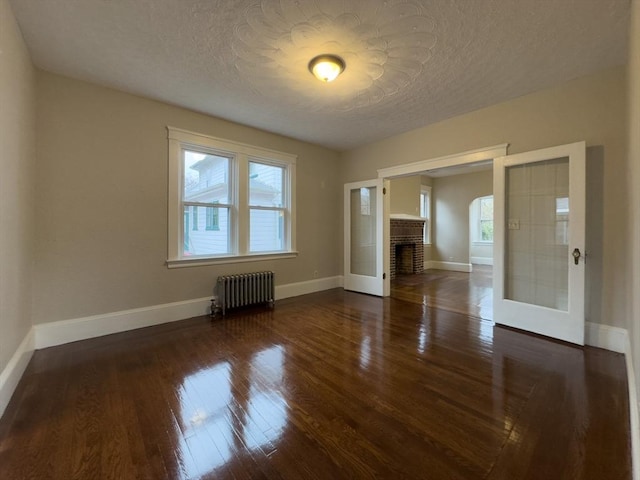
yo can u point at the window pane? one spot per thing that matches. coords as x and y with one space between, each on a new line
486 230
486 219
198 238
206 178
363 231
486 208
213 218
265 185
266 231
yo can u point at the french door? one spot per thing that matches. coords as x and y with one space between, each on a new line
539 241
363 237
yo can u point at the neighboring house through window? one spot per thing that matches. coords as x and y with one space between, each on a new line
266 206
242 194
213 218
194 223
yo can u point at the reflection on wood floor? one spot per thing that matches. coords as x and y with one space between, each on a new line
467 293
326 386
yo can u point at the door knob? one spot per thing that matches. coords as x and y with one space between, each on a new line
576 255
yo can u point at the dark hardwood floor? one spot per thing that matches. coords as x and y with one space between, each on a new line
330 385
468 293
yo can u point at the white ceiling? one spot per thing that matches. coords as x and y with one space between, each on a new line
409 63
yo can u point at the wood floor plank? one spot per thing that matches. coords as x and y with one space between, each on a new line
325 386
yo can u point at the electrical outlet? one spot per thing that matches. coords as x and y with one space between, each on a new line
513 224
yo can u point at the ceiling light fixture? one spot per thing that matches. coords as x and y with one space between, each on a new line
326 67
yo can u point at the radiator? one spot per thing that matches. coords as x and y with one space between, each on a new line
245 289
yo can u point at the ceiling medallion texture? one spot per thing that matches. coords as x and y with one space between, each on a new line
385 46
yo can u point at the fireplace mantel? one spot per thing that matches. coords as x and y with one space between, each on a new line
404 216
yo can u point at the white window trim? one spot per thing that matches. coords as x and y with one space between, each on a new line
241 154
426 189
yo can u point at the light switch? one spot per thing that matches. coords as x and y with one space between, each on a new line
513 224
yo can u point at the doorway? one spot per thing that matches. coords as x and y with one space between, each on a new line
456 272
539 281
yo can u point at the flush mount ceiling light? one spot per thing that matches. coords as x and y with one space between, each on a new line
326 68
386 52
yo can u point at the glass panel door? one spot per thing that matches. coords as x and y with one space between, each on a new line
363 237
539 237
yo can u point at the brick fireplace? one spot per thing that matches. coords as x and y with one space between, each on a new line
407 247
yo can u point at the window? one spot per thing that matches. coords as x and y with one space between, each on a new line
205 184
484 229
425 211
266 188
242 196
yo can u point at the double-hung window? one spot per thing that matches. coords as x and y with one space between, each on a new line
228 201
484 225
205 189
267 212
425 212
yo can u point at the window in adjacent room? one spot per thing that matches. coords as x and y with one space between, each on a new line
425 211
242 195
484 215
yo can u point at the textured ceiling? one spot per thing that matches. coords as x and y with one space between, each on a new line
409 63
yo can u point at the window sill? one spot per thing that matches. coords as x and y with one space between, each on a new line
252 257
480 243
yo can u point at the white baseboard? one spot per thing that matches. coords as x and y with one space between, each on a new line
310 286
481 260
65 331
617 340
12 373
634 419
451 266
607 337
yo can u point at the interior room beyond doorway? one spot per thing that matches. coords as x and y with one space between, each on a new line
457 256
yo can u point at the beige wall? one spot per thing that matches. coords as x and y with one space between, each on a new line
590 108
633 182
17 146
405 195
452 197
101 241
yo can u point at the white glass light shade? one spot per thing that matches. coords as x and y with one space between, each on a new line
326 67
